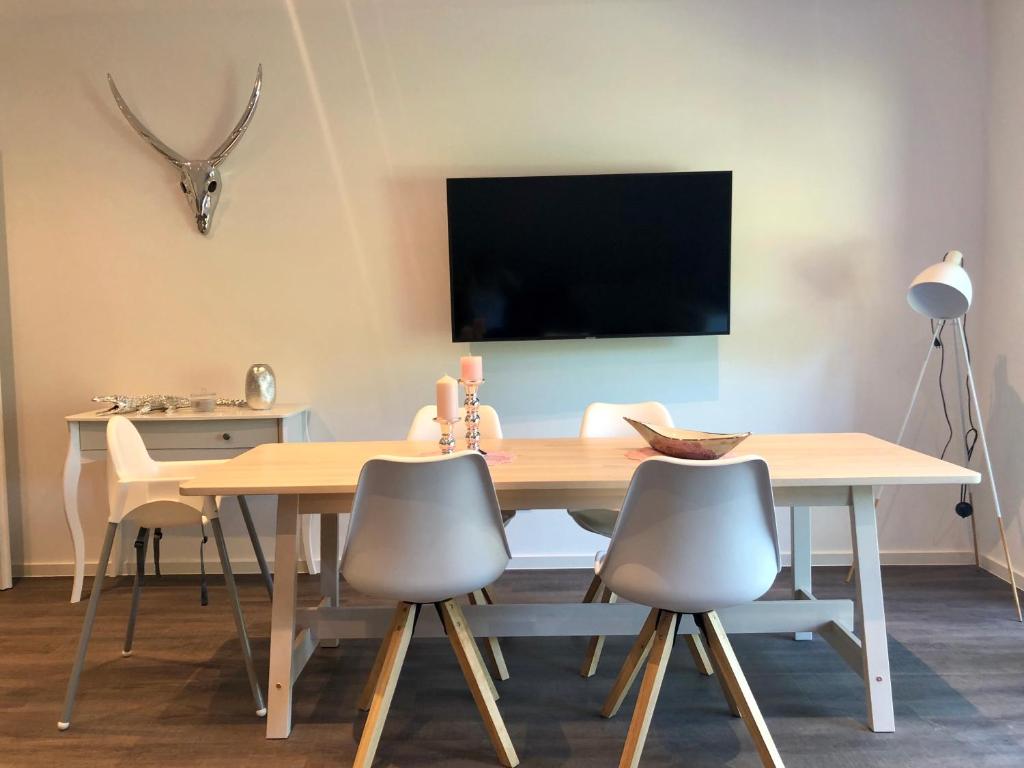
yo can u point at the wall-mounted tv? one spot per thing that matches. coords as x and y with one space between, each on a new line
568 257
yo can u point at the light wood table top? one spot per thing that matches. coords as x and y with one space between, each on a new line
799 460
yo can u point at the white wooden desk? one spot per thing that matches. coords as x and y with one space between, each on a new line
807 470
220 434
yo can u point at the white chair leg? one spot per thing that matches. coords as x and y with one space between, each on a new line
243 635
142 542
90 618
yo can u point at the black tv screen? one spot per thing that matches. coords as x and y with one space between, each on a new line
566 257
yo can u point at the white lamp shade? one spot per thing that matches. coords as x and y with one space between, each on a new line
942 292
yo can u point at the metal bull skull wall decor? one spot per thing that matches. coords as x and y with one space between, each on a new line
200 179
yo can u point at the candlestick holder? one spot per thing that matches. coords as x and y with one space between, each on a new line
447 441
472 403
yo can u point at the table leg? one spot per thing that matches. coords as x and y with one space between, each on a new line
282 619
330 587
800 550
72 474
870 610
295 429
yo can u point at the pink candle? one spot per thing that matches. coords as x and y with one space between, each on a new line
447 399
472 368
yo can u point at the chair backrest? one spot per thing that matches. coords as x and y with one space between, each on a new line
424 529
605 419
695 536
424 427
126 451
135 487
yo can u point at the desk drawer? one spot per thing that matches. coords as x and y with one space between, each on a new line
157 435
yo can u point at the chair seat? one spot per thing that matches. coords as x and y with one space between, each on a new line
599 521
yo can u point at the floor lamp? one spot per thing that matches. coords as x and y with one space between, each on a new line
943 293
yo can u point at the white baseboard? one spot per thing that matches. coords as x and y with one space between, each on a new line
998 568
544 562
168 567
525 562
536 562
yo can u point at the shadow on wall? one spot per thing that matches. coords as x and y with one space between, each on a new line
8 420
1007 431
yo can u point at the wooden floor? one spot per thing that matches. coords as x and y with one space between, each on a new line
182 699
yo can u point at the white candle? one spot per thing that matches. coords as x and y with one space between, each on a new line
447 399
472 368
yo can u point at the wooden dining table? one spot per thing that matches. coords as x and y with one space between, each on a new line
807 470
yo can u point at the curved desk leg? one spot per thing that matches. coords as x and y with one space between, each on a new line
870 609
72 473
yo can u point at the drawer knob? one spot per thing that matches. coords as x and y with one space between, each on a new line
226 436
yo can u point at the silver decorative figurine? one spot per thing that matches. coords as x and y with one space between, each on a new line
447 441
260 387
199 180
472 403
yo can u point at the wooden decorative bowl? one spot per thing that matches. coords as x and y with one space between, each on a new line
687 443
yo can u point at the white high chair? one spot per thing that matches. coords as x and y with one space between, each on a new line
422 531
606 420
424 427
145 492
692 537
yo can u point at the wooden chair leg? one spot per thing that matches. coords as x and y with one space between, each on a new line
631 667
732 677
730 700
366 697
592 590
649 689
593 655
397 643
477 679
700 655
492 648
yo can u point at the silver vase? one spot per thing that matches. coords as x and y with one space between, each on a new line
260 386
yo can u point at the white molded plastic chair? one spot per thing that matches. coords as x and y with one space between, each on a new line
692 537
145 492
606 420
424 530
424 427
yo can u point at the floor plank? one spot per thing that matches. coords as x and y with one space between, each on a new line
182 698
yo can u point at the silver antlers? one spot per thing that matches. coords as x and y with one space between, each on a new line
200 179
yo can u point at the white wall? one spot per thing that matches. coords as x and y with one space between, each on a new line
999 335
855 131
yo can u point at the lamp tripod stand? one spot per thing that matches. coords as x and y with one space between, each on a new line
973 400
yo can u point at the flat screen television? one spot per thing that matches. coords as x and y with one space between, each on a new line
609 255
